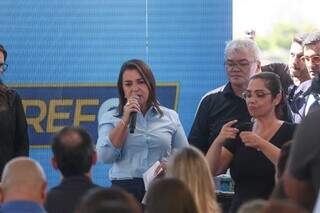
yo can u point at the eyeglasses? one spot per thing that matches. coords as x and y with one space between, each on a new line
242 64
3 67
257 94
315 59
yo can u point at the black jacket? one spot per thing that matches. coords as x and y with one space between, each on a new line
13 127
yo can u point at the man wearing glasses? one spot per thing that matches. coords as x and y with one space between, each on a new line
309 100
13 125
217 107
301 78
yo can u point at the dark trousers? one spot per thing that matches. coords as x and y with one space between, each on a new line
134 186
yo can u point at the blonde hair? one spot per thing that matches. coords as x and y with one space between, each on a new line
190 166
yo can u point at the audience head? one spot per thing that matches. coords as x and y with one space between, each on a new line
311 53
298 69
73 151
146 79
184 165
242 60
264 95
283 207
171 196
252 206
282 70
23 179
110 200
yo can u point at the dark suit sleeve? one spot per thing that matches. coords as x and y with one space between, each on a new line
286 112
199 133
305 149
21 141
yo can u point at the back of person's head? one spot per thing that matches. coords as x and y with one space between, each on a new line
283 207
184 165
73 151
4 52
23 179
113 200
252 206
283 71
312 38
170 195
243 44
283 158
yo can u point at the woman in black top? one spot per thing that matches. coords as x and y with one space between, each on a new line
252 152
13 126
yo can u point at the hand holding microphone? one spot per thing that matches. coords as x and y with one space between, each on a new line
130 112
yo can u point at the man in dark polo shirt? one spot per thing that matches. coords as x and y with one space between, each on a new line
242 60
73 156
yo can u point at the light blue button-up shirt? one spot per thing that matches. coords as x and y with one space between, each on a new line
155 139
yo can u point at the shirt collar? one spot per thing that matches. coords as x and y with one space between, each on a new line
228 91
152 111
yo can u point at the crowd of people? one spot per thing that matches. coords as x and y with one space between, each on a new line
261 126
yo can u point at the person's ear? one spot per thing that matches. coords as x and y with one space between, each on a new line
54 163
43 191
258 66
277 99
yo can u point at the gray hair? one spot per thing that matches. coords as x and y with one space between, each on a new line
312 38
241 44
299 38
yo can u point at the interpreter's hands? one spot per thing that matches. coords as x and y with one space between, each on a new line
251 139
132 105
161 170
227 132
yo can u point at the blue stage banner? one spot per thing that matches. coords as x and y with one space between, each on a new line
51 107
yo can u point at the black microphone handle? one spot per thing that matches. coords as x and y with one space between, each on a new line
133 120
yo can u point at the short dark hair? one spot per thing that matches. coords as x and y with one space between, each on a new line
283 71
3 50
73 155
312 38
112 199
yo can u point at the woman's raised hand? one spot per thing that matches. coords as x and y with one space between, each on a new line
227 132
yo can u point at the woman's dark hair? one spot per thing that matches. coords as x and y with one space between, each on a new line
170 195
273 83
144 70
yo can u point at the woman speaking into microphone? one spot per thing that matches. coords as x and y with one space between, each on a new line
157 134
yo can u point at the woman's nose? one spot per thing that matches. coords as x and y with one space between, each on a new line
135 87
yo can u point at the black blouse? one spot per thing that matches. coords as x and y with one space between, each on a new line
252 172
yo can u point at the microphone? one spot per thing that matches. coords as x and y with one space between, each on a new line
133 120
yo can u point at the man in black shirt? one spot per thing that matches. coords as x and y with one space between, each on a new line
242 60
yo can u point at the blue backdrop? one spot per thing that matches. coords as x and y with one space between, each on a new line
53 42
